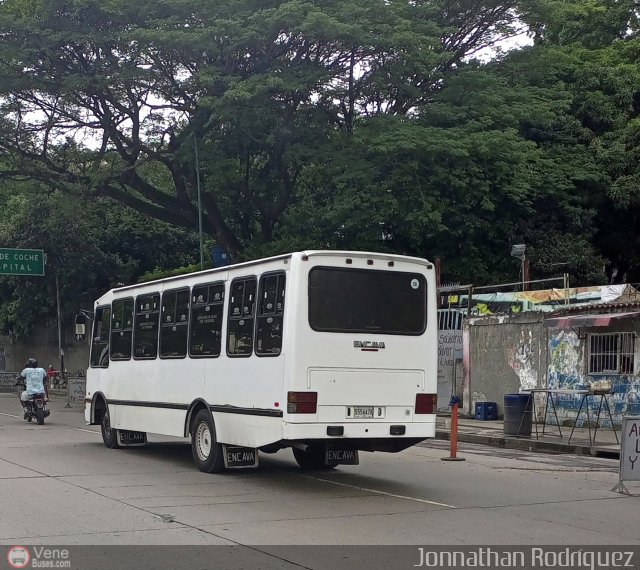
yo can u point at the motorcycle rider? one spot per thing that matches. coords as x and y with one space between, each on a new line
34 378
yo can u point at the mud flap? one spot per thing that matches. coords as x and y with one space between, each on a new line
336 456
236 457
128 438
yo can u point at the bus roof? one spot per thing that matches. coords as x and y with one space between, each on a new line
308 253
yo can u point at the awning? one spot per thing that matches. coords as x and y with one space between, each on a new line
603 320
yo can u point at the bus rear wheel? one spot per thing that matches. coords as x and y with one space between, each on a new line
207 452
312 459
109 435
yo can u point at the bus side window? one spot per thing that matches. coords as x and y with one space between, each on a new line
270 315
207 306
100 338
121 329
145 333
174 324
242 304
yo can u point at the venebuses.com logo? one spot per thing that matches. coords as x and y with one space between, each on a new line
18 557
38 557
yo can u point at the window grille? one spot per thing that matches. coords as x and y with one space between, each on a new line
450 319
611 353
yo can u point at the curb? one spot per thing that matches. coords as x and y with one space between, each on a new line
525 444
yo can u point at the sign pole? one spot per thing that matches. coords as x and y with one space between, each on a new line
68 404
453 454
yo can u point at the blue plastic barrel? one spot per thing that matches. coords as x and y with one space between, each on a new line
517 415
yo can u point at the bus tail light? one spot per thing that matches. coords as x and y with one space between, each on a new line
426 403
302 402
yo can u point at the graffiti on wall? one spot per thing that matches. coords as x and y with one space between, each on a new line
565 360
566 371
521 361
477 397
8 381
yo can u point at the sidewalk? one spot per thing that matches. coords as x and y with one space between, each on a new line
491 433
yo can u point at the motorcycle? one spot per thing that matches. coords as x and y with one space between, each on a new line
35 406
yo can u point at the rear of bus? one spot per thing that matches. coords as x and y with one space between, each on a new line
362 364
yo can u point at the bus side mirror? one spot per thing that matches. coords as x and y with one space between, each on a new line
81 327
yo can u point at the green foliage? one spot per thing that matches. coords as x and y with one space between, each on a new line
360 125
593 24
91 245
258 85
163 273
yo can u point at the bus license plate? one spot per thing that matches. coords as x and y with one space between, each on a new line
131 438
362 412
236 457
342 457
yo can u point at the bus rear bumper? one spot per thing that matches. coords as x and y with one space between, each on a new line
359 430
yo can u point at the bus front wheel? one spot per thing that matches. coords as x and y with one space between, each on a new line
313 459
109 435
207 452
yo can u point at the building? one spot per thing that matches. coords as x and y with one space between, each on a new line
578 346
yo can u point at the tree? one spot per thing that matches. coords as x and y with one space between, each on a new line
91 246
464 179
588 51
364 125
113 97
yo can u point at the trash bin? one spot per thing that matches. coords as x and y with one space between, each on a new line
517 415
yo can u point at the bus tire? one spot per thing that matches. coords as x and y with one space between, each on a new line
207 452
312 460
109 435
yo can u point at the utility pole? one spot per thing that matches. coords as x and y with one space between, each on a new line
525 273
195 142
60 352
518 251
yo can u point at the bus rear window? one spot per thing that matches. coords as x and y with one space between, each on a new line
367 301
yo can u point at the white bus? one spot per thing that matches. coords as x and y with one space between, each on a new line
326 352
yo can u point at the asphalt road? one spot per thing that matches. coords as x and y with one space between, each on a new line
86 494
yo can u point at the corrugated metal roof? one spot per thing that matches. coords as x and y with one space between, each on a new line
598 309
589 320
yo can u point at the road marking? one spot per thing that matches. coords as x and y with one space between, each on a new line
416 499
10 415
88 430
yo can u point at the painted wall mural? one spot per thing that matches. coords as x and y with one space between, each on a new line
521 361
566 371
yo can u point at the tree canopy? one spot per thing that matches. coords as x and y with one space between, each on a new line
113 97
390 125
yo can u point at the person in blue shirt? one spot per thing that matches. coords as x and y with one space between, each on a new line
35 381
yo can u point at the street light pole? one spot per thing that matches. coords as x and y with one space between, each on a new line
519 251
195 142
60 353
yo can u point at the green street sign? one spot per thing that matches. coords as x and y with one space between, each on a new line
21 261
